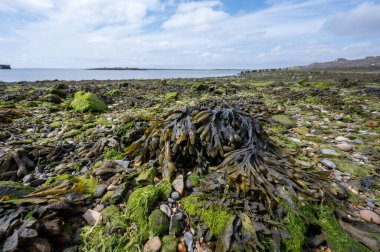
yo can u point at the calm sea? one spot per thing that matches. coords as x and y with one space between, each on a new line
40 74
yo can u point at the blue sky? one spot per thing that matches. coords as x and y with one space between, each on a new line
186 34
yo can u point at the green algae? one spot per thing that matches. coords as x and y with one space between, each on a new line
87 102
200 86
158 223
171 96
82 185
11 189
358 170
113 155
213 217
147 176
283 120
169 243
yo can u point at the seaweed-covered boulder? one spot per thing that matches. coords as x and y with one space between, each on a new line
11 189
84 102
158 223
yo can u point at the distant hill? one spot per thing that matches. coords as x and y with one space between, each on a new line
368 63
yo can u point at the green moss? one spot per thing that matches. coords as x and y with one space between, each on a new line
71 133
122 131
52 98
200 86
114 216
147 177
72 123
56 124
358 170
158 223
84 102
82 185
60 92
165 189
213 217
313 100
283 120
114 92
297 227
195 179
113 155
169 243
171 96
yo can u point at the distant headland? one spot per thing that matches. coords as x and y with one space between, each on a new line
5 67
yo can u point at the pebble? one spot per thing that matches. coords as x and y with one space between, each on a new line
166 210
329 152
111 187
175 195
92 217
369 216
153 245
370 204
178 184
345 147
175 224
170 200
28 178
328 163
342 139
358 141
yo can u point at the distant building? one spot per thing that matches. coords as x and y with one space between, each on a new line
5 67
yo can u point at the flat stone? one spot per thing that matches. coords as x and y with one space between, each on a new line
92 217
342 139
122 163
329 152
345 147
328 163
100 190
153 245
178 184
369 216
28 233
166 210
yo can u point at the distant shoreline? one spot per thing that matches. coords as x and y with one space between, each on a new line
158 69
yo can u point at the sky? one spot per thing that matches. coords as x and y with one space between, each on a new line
244 34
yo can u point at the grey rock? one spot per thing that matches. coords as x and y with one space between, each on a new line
358 141
178 184
329 152
166 210
170 200
28 178
224 240
345 147
316 241
175 195
153 245
100 190
28 233
328 163
188 238
11 243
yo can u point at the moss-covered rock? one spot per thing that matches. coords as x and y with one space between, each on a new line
200 86
213 217
53 98
283 120
147 177
158 223
84 102
113 155
169 243
171 96
11 189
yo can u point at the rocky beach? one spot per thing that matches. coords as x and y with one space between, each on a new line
280 160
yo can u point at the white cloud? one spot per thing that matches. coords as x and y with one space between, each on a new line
198 16
363 20
26 5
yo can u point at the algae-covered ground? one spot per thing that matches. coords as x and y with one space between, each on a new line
123 166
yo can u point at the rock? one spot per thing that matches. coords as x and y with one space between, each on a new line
283 120
329 152
175 224
120 193
92 217
158 223
28 178
369 216
11 243
358 141
328 163
188 238
53 227
170 200
345 147
169 243
175 195
342 139
166 210
122 164
14 189
40 245
28 233
100 190
315 241
224 240
153 245
178 184
147 177
84 102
